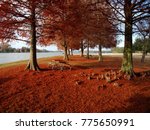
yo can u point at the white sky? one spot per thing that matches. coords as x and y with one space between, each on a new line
50 48
22 44
17 44
54 47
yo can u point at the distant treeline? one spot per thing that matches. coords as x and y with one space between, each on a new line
138 46
18 50
117 50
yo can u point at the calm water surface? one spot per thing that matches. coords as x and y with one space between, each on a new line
12 57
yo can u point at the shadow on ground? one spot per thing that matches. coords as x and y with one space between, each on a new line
139 103
4 80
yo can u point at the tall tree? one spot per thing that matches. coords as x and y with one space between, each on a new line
128 13
22 19
63 23
143 27
100 28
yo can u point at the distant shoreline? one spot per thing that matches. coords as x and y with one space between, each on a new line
94 54
29 52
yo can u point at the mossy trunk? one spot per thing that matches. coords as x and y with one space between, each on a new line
127 63
32 64
88 51
100 57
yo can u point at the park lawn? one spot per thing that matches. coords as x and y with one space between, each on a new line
81 89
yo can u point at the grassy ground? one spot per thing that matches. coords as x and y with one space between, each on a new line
24 62
12 64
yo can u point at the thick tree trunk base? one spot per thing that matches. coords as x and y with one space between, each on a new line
82 55
100 59
31 66
127 76
88 57
72 52
127 63
66 58
69 53
127 69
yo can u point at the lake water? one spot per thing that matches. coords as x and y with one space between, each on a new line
12 57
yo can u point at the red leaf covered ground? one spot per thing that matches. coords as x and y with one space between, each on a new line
76 90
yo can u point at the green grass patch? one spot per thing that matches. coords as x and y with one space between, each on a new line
13 64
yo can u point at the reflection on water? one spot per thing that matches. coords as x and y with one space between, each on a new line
11 57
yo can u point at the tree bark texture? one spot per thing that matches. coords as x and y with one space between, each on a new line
88 51
32 64
82 49
127 63
71 50
100 57
66 57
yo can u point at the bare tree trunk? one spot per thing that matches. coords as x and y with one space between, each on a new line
100 57
32 64
143 56
88 52
65 51
82 49
71 51
127 63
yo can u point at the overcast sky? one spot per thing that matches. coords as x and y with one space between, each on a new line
54 47
17 44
